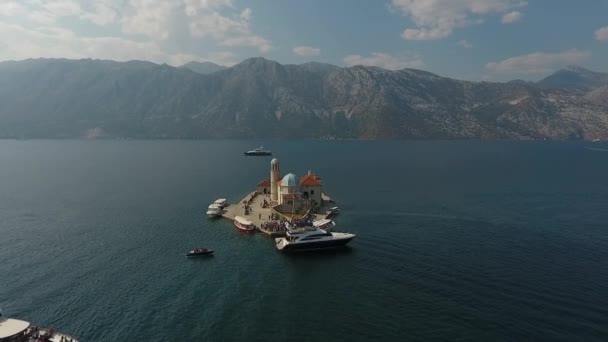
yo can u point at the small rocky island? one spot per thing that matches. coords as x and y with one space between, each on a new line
277 200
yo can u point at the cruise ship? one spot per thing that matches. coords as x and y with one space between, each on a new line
311 238
15 330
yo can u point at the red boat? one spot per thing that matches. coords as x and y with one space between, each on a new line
244 225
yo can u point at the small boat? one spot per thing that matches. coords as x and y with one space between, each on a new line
244 225
199 252
325 224
260 151
222 202
333 211
214 210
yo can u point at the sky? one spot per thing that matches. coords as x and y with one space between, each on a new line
493 40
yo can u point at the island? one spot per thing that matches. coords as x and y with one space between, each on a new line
277 200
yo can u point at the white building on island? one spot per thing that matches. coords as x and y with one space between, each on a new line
291 191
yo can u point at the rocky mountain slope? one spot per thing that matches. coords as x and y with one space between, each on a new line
575 78
203 67
260 98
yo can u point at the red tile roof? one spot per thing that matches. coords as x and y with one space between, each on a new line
265 182
310 180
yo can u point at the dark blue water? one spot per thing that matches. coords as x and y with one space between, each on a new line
457 240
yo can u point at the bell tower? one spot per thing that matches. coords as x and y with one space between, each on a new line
275 175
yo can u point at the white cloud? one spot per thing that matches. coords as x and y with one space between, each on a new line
48 42
246 14
40 18
151 18
61 8
465 44
306 51
435 19
206 19
11 9
193 6
511 17
104 13
47 12
146 28
538 62
385 61
155 20
601 34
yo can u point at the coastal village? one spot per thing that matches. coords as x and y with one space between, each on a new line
279 199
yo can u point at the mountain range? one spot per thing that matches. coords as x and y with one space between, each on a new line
60 98
203 67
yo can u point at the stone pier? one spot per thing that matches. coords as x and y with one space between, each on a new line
252 208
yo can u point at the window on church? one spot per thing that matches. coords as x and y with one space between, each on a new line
312 192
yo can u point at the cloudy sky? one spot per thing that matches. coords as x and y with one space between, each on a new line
468 39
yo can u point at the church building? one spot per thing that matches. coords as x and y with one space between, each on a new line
289 191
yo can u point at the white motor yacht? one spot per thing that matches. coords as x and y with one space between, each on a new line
260 151
311 238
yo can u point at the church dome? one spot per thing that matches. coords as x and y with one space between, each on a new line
289 180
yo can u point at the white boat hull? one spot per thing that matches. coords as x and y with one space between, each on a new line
212 214
337 240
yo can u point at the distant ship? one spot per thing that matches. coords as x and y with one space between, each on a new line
18 330
311 238
260 151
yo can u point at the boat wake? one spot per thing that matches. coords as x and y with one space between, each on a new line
418 214
597 149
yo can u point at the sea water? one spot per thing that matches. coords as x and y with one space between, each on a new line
456 240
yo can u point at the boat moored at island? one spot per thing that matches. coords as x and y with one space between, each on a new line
214 210
222 202
311 238
243 225
325 224
333 211
14 330
260 151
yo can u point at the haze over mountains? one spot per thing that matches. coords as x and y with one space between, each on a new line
203 67
59 98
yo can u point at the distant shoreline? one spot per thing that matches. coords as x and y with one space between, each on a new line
295 139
